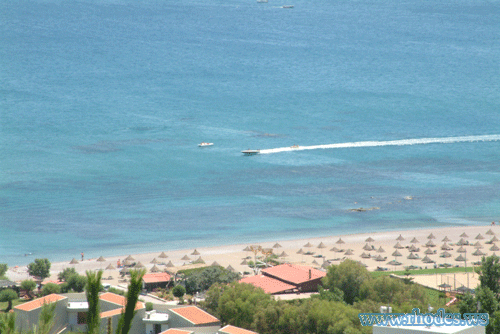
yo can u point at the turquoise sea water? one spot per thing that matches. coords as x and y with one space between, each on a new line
103 103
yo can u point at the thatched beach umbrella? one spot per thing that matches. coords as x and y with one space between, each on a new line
74 261
300 251
478 253
154 261
283 255
321 246
367 247
460 258
163 255
431 236
413 249
315 262
340 241
129 258
308 245
479 237
464 235
379 258
412 256
155 269
427 259
414 241
494 239
325 264
185 258
101 259
430 244
128 263
244 263
139 265
110 267
125 271
370 239
429 252
398 246
462 242
445 254
494 248
478 245
400 238
349 252
199 261
229 268
445 246
215 264
446 239
170 264
277 245
247 249
334 249
195 252
462 250
380 250
490 232
365 256
396 254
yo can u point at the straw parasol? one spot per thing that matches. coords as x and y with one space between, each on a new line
429 252
367 247
380 258
340 241
479 237
446 239
110 267
462 242
412 256
74 261
445 246
247 249
380 250
185 258
308 245
284 254
334 249
365 256
163 255
413 249
445 254
129 258
154 261
494 248
494 239
321 245
195 252
370 239
396 254
431 236
400 238
464 235
427 259
124 271
127 263
139 265
101 259
460 258
349 252
478 253
244 263
414 241
199 261
215 264
300 251
490 232
155 269
315 262
229 268
430 244
170 264
398 246
462 250
478 245
277 245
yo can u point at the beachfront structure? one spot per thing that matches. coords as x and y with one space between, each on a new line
287 278
155 280
71 315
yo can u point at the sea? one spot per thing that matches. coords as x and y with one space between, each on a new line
394 106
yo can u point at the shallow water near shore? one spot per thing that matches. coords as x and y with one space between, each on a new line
103 104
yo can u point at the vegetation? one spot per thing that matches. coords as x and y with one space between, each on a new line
50 288
39 268
347 277
46 319
149 306
75 283
28 286
450 270
202 280
3 270
178 291
8 323
66 273
93 289
134 288
8 295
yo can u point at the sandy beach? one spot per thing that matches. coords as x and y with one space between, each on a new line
234 255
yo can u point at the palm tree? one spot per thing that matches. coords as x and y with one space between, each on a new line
134 288
93 288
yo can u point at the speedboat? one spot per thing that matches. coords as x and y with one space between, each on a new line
287 6
205 144
250 152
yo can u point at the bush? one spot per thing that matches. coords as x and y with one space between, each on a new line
50 288
179 291
149 306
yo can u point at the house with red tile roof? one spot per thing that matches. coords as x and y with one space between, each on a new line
192 316
287 278
27 314
234 330
156 280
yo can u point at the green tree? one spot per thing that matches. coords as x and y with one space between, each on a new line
3 269
348 277
39 268
76 283
50 288
93 288
8 295
201 281
178 291
66 273
467 304
487 300
490 273
8 323
134 289
46 319
28 286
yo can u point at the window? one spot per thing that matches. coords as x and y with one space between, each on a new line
157 328
82 318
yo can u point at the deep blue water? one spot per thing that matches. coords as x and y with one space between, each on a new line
103 103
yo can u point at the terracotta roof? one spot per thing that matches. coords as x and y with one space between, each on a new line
113 298
293 273
156 278
111 313
195 315
268 284
176 331
30 306
235 330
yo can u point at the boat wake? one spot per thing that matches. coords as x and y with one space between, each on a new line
402 142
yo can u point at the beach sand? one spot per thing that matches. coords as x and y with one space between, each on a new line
233 255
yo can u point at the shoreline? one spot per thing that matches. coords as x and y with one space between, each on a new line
233 255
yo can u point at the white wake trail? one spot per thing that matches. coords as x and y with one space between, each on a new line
402 142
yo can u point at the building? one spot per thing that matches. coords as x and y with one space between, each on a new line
234 330
287 278
71 315
155 280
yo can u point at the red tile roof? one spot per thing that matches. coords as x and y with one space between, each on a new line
293 273
235 330
156 278
176 331
113 298
30 306
195 315
268 284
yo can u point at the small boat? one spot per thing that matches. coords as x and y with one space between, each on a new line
250 152
262 1
287 6
205 144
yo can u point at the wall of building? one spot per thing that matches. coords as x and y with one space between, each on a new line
25 320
